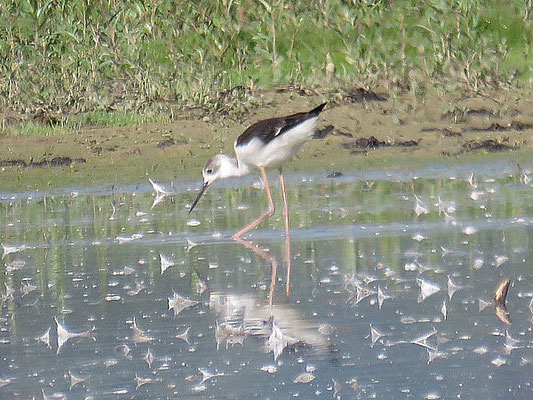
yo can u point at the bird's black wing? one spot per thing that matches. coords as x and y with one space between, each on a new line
268 129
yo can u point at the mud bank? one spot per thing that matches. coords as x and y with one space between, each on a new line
358 130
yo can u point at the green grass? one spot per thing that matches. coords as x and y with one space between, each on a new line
116 118
77 56
91 118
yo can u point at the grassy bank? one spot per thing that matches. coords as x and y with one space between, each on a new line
404 132
149 56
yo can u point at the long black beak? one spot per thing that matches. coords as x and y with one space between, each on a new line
206 184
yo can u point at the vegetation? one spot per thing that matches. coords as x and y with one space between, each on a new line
91 118
76 56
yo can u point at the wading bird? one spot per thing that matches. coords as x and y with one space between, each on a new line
269 143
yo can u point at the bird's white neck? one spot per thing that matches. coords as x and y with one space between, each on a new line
230 167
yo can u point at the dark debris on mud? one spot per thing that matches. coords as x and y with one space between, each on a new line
166 143
54 162
479 112
488 145
371 143
97 150
513 126
330 130
406 143
445 132
359 95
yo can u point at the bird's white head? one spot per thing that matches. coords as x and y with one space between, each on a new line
217 167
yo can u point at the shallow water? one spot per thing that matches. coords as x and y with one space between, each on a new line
374 258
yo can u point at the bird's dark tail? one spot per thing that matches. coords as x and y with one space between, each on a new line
318 110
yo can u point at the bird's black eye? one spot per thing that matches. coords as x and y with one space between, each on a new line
209 171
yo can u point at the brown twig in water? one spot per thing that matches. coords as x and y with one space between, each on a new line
501 291
500 296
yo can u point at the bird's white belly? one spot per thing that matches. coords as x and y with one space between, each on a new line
255 153
278 151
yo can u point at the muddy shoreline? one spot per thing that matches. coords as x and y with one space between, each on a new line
358 130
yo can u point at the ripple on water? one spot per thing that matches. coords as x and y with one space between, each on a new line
106 295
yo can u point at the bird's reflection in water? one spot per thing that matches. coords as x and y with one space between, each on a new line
281 326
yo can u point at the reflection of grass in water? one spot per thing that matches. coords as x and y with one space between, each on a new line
86 218
138 56
380 203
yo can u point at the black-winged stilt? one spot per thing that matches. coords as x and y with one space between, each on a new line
269 143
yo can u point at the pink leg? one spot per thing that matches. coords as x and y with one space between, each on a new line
287 230
267 214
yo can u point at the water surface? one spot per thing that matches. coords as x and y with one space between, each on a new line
390 291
